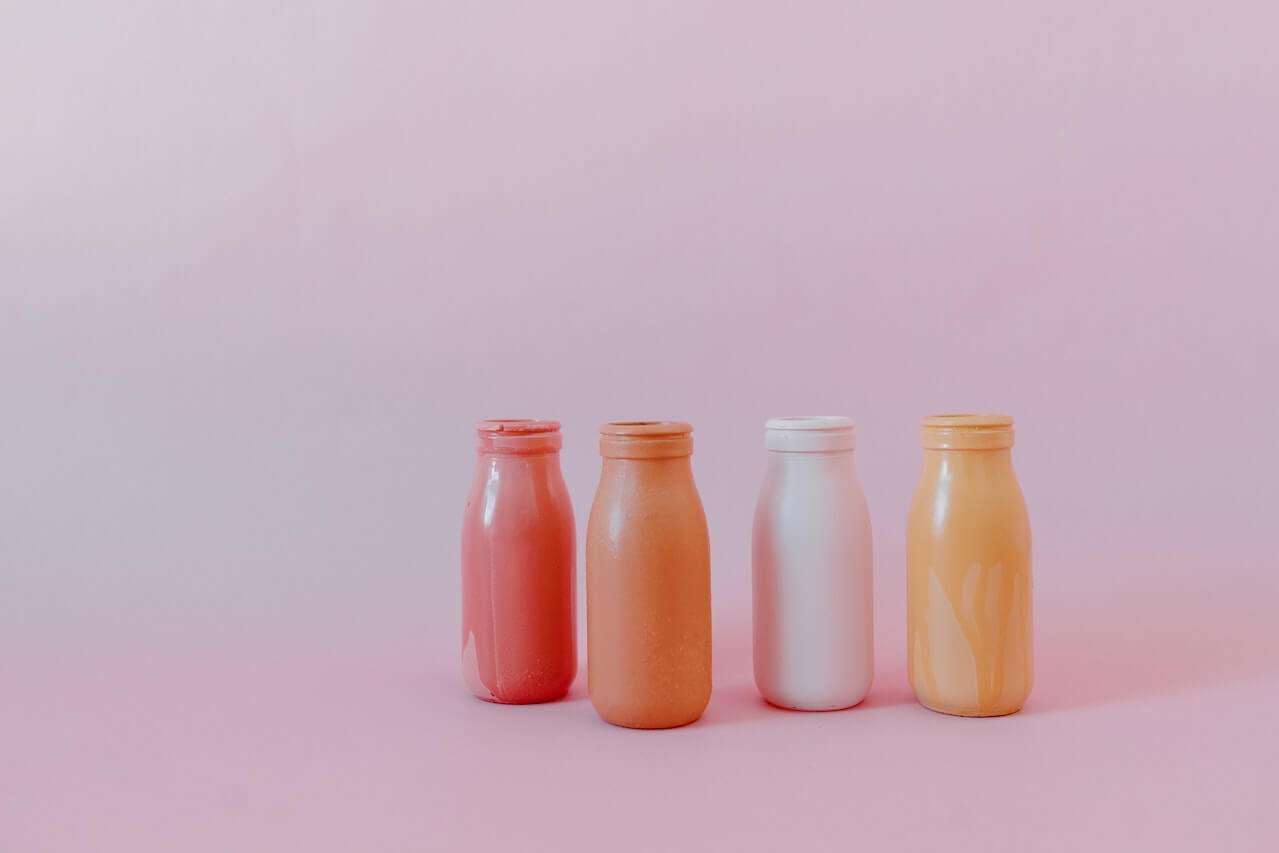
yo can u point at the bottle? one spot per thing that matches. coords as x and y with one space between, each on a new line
519 625
968 584
812 567
648 582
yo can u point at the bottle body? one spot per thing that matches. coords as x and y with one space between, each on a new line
811 560
519 628
648 581
968 564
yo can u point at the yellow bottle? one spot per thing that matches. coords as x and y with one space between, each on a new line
968 582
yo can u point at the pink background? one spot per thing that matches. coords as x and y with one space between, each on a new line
262 265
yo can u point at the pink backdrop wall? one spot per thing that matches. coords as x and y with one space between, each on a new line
261 266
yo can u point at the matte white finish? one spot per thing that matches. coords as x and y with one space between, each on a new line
812 566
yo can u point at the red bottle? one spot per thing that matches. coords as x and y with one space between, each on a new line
519 625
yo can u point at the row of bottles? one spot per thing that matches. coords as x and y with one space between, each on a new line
648 572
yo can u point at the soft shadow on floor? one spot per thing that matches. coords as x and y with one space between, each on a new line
736 700
735 704
890 690
441 683
1158 627
740 702
1107 632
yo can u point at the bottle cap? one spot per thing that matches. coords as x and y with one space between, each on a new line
815 434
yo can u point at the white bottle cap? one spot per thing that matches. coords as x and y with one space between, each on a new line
815 434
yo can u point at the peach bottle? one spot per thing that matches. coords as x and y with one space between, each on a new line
968 582
648 582
519 625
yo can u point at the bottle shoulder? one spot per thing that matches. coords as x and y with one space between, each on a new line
960 505
787 483
514 495
627 504
811 502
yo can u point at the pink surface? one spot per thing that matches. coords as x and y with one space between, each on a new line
262 268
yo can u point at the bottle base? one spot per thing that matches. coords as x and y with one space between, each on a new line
813 707
968 712
522 700
632 717
650 726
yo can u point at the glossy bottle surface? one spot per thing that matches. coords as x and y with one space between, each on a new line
812 569
648 588
518 566
969 637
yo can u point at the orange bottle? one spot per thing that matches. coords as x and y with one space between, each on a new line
968 584
648 582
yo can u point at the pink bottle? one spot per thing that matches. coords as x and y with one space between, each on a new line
519 634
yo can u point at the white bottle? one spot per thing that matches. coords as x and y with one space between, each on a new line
812 566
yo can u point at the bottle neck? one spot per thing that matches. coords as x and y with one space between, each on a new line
543 457
500 444
646 449
624 475
646 440
957 463
809 434
779 459
967 432
652 465
525 466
